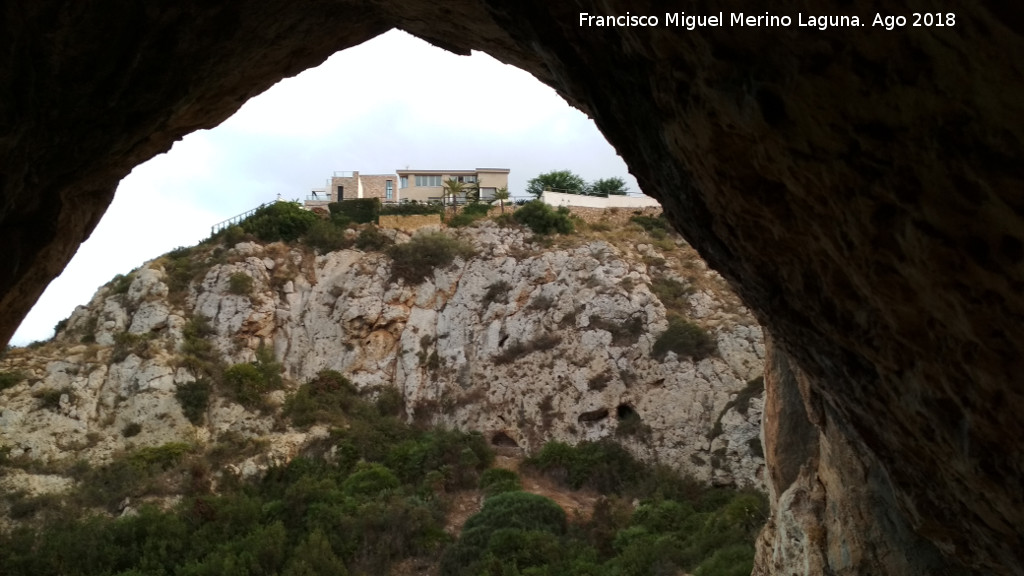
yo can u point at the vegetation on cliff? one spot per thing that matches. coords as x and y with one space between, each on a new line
375 493
368 493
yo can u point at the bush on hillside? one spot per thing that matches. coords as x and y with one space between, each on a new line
358 210
418 258
672 293
515 529
496 481
325 399
686 339
656 225
247 383
327 236
9 378
279 221
539 217
371 239
411 209
194 398
240 284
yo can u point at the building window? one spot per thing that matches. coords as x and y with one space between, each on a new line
341 192
389 189
428 180
403 182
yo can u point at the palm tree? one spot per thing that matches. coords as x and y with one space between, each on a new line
472 191
452 190
501 194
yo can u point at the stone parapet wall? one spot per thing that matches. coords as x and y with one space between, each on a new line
410 224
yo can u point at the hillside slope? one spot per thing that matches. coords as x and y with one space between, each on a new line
528 340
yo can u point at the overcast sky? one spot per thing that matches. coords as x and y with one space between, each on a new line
351 113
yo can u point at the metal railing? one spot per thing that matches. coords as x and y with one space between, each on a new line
459 201
235 219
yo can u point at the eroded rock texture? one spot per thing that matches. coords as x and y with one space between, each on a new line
522 343
861 189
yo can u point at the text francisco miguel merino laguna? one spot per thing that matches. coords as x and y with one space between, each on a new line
692 22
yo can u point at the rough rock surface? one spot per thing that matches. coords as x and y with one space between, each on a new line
859 187
522 343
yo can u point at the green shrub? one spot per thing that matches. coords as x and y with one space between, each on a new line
198 352
686 339
121 283
246 383
515 529
539 217
496 481
476 209
59 327
162 457
9 378
604 466
133 474
327 236
126 344
358 210
653 224
370 238
181 267
279 221
194 398
674 295
418 258
370 481
240 284
506 221
50 398
88 331
411 209
360 515
198 328
325 399
734 560
231 235
390 401
459 455
249 382
468 214
461 220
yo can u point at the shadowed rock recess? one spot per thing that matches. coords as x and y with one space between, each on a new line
861 189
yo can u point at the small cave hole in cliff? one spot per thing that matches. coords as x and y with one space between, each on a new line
503 440
626 412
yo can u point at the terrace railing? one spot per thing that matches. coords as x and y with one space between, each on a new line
235 219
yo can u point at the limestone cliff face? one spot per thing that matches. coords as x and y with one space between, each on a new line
523 343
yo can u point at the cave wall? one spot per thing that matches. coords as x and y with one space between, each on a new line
860 188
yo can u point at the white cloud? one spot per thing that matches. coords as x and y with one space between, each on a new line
391 102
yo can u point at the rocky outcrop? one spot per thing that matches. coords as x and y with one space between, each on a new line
858 187
522 343
827 499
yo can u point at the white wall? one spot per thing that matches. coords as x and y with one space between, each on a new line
561 199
